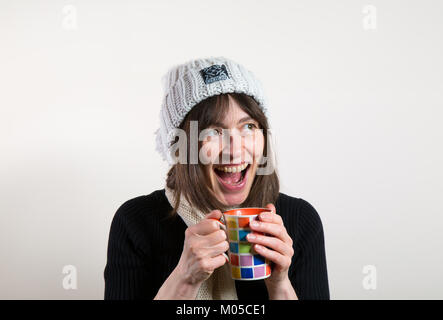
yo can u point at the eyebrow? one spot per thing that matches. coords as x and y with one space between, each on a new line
244 119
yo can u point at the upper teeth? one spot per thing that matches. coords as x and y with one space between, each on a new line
233 169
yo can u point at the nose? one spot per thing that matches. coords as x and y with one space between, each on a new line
233 147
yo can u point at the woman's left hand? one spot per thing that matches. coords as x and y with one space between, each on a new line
277 247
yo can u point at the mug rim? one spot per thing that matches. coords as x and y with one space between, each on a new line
245 214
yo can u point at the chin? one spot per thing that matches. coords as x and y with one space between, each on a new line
232 200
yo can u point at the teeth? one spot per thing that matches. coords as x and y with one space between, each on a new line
233 169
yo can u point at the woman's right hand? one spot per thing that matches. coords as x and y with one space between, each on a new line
203 249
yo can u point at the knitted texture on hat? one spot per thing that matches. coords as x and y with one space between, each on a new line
187 84
220 285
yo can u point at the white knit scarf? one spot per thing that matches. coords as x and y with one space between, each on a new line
220 285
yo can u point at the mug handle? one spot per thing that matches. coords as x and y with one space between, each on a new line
223 227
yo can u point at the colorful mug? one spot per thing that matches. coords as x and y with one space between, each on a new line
244 262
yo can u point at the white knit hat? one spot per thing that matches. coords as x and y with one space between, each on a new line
187 84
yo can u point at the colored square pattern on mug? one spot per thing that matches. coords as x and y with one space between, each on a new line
250 272
248 260
233 235
244 262
232 223
243 222
242 234
244 247
233 247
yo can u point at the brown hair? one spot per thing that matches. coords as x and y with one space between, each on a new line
189 179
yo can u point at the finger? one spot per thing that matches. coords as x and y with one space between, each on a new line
271 217
271 207
273 229
281 260
213 238
217 261
214 214
217 249
205 227
273 243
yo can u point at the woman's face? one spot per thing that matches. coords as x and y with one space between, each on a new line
231 156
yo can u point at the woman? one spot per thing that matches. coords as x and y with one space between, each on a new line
215 134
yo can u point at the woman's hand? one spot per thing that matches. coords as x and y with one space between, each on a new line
275 246
203 249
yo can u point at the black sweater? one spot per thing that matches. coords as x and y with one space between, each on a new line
145 246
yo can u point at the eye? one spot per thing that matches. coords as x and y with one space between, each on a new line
250 126
213 132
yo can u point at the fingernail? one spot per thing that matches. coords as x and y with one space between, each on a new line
254 223
251 236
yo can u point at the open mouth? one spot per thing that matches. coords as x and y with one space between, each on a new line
232 177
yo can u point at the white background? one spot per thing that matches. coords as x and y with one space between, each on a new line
356 113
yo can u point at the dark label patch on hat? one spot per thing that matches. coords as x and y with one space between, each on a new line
214 73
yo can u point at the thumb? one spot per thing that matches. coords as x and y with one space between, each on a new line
271 207
214 214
